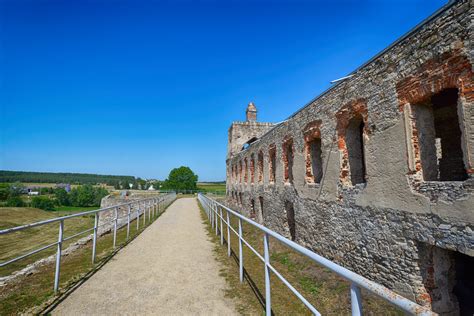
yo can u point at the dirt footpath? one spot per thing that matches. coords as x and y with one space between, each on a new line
167 270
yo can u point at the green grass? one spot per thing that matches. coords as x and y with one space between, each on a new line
322 288
36 290
211 186
17 243
75 208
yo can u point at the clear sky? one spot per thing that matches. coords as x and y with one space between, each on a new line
139 87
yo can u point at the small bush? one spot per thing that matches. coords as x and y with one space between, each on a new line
15 201
43 203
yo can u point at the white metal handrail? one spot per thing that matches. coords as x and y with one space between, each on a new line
214 211
151 205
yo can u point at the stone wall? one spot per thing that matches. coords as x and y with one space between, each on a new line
106 218
370 206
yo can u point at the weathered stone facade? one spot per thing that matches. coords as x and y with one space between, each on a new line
377 173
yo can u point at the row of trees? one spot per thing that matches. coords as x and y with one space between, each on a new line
82 196
179 179
75 178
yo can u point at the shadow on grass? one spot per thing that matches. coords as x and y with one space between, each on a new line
75 285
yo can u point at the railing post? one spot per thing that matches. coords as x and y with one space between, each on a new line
211 219
216 217
268 298
58 256
144 214
128 221
94 237
115 226
228 234
149 211
138 216
221 229
356 300
241 254
210 214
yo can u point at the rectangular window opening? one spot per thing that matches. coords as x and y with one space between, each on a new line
288 161
440 138
355 149
272 163
315 159
290 216
260 167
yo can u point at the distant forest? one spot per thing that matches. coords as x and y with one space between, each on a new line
72 178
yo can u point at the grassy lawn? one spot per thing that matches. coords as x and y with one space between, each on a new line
21 242
322 288
36 290
74 209
211 186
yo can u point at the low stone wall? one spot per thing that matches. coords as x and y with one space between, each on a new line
106 218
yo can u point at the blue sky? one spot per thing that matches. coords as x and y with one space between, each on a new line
139 87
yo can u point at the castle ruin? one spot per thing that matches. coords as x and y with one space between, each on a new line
377 173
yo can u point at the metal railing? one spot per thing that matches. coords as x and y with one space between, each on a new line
218 215
152 206
202 191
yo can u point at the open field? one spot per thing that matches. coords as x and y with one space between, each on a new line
36 289
211 186
44 185
53 185
324 289
21 242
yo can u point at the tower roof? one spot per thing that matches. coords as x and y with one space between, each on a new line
251 107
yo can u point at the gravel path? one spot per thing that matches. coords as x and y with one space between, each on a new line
169 269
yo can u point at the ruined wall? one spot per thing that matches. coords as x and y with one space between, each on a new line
107 217
381 218
241 132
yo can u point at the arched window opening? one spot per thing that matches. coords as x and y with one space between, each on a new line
288 156
240 171
272 163
246 171
260 167
252 209
260 199
440 138
355 149
252 168
290 216
313 152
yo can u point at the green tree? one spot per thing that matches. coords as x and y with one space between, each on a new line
125 185
182 178
43 202
4 191
99 193
62 197
16 189
87 195
15 201
141 184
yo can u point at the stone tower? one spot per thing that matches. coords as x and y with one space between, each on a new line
251 113
242 133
